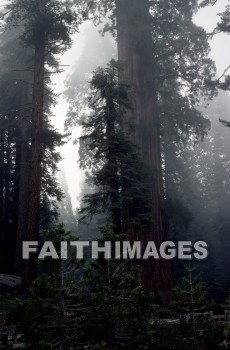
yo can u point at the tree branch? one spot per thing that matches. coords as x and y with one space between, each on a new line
208 3
225 123
223 75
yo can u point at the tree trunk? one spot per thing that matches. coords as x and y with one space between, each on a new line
30 270
2 204
2 162
113 166
22 162
8 218
136 58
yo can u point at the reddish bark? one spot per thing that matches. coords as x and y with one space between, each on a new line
136 57
30 268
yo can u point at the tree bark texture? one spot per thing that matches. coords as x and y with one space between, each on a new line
135 53
30 269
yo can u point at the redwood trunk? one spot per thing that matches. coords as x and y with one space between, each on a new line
30 270
135 55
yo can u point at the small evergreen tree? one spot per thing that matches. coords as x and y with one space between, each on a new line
106 308
192 295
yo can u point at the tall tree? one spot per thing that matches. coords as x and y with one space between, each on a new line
135 55
115 168
154 64
15 120
159 59
46 28
36 141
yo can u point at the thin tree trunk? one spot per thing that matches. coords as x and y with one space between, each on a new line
22 163
2 204
2 161
114 184
8 218
136 57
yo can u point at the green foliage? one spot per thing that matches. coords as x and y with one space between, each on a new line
58 20
15 128
123 309
26 24
182 63
203 184
104 308
115 168
224 25
182 337
193 293
103 318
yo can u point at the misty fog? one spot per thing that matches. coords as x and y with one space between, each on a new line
100 49
115 137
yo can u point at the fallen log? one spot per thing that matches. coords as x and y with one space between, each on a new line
10 281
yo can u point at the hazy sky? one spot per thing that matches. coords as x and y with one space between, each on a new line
220 45
69 151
